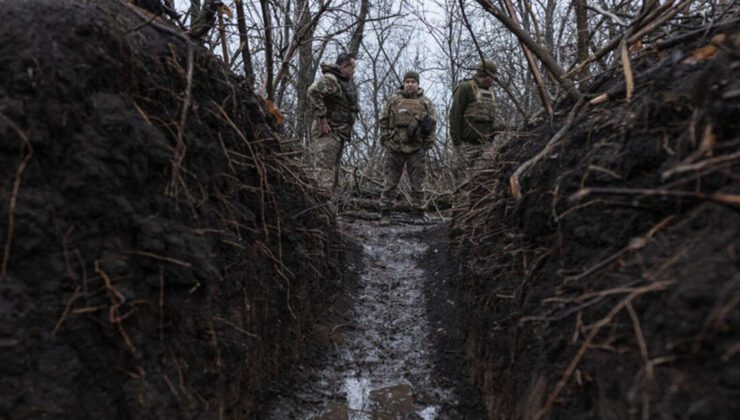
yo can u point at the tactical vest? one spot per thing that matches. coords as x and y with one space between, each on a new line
479 116
341 107
407 110
483 110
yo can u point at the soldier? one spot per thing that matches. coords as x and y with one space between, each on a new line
334 102
472 118
407 125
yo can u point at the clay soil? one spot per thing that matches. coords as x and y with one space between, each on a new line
155 264
610 290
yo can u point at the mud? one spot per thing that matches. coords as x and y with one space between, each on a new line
150 269
394 354
611 289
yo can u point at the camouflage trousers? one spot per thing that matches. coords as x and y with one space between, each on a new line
393 170
325 150
464 158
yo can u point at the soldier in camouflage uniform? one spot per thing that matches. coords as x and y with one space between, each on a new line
407 125
334 102
472 118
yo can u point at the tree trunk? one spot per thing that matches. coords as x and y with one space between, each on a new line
307 65
267 19
582 36
241 23
354 44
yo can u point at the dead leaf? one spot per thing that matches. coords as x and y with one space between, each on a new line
706 52
273 110
223 9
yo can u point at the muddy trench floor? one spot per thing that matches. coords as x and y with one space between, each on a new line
392 346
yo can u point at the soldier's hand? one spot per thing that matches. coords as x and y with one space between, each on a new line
324 126
428 125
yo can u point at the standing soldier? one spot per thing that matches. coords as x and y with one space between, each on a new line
472 118
407 125
334 102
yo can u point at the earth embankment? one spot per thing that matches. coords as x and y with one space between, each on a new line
610 289
158 258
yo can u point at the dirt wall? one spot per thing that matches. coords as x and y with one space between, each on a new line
151 269
611 289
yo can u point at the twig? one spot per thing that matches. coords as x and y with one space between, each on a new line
261 172
236 327
514 180
181 148
113 317
634 245
542 412
159 257
595 329
14 194
722 198
544 95
627 68
645 358
141 25
161 303
608 14
698 166
637 26
67 308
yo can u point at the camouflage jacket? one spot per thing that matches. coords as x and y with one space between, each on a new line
400 123
472 114
333 96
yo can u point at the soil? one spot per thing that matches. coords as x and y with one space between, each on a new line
165 256
610 289
394 345
152 266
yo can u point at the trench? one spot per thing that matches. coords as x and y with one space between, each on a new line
382 365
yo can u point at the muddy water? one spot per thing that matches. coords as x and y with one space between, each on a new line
383 367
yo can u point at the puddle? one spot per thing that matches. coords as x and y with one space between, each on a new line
384 367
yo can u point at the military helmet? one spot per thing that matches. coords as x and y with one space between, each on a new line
486 67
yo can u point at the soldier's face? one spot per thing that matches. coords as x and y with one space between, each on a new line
486 81
348 68
410 85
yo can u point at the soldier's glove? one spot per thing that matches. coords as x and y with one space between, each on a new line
428 126
412 130
385 135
